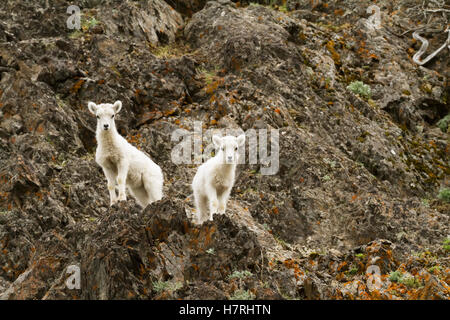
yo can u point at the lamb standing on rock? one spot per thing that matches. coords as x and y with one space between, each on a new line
123 162
214 179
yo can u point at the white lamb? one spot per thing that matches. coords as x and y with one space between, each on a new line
214 179
123 163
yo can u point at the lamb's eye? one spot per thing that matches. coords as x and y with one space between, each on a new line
98 117
112 116
235 149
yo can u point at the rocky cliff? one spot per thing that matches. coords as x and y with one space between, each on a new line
363 149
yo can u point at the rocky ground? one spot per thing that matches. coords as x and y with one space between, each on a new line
359 174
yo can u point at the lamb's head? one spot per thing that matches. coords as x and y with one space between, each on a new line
105 114
228 148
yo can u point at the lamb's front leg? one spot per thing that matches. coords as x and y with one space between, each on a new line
223 199
122 172
213 202
111 178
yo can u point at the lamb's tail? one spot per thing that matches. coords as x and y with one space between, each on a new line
153 184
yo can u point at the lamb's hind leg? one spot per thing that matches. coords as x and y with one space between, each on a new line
213 202
140 195
201 205
223 199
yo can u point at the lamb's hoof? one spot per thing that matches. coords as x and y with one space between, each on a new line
112 203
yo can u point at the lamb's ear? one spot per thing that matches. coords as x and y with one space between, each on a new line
217 141
117 106
92 107
241 139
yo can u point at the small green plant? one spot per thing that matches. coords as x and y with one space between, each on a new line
86 25
360 255
395 276
426 202
446 244
407 280
240 274
444 194
241 294
443 124
160 286
361 89
352 271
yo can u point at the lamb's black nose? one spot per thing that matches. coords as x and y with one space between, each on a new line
106 126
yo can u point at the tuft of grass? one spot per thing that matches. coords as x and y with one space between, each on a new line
361 89
241 294
208 75
168 51
210 251
444 194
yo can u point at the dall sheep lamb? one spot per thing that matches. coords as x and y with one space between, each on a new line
214 179
123 163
